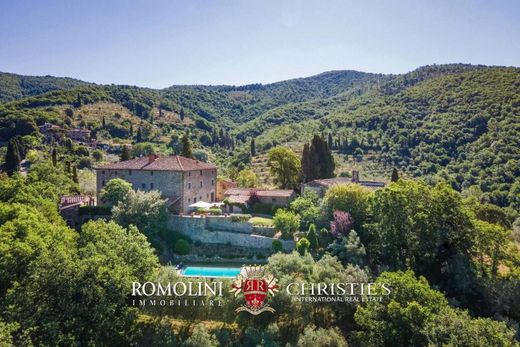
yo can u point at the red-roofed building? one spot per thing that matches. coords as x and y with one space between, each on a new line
181 180
278 197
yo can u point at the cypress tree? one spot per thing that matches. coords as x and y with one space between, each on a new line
186 147
306 163
330 141
182 114
131 129
312 237
139 136
395 175
54 157
12 157
320 162
75 174
68 167
104 123
125 153
253 147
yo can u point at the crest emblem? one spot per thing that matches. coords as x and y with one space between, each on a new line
256 286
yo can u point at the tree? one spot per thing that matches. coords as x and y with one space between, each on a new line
349 249
341 224
307 207
317 160
12 157
181 114
277 246
307 173
284 166
125 153
330 141
253 147
398 318
320 337
115 191
453 327
75 174
54 157
139 136
61 276
395 175
351 198
287 223
181 247
247 179
200 338
303 246
490 245
418 227
103 123
413 314
146 210
186 150
97 155
312 237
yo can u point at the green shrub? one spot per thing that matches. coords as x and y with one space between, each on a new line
237 218
171 236
263 208
182 247
277 246
215 211
95 210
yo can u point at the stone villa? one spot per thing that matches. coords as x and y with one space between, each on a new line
181 180
321 186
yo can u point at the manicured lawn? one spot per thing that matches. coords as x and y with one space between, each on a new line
260 221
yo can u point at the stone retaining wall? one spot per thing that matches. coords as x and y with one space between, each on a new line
196 228
224 223
264 231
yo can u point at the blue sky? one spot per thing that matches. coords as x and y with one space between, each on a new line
157 43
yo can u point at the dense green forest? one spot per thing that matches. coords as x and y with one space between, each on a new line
443 122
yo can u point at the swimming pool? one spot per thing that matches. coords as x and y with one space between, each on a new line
199 271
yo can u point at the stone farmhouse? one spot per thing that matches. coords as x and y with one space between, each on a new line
321 186
181 180
242 196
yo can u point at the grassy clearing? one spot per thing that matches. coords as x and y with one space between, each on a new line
261 221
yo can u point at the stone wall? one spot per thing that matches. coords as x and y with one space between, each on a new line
224 223
198 185
169 183
265 231
196 229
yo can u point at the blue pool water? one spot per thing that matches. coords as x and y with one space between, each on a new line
198 271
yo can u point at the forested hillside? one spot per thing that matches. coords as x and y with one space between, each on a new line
17 86
458 122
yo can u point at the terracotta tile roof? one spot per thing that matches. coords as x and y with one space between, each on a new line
275 193
259 192
238 191
170 163
238 199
